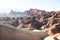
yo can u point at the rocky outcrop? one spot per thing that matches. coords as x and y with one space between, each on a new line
54 29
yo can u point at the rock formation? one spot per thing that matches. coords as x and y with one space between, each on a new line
42 21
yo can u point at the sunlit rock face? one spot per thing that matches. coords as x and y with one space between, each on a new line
54 29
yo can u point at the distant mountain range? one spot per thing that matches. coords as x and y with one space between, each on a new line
27 13
14 13
21 14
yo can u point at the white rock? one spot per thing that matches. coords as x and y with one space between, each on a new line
35 30
49 38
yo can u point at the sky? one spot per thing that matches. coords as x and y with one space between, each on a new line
22 5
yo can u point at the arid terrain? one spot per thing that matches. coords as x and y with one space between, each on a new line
32 24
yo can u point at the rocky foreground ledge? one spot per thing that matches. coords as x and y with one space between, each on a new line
10 33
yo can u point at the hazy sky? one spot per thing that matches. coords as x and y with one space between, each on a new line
21 5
